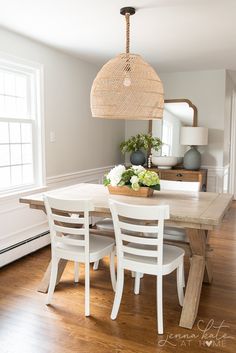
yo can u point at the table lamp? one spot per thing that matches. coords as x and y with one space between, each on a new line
193 136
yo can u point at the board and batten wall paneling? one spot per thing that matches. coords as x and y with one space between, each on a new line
20 223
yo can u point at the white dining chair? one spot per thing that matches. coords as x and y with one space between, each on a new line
70 240
170 233
144 254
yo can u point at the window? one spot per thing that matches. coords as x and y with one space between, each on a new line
20 126
167 132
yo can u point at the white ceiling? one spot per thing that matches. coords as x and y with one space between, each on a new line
173 35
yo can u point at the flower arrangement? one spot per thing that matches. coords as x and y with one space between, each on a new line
134 177
139 142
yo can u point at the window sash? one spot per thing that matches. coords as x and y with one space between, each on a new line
33 118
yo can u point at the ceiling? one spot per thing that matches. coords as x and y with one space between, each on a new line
173 35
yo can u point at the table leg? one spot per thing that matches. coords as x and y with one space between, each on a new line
208 269
43 287
198 240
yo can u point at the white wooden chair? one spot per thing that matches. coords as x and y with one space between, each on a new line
170 233
144 254
70 240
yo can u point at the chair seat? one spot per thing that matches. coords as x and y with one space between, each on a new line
171 255
105 224
99 246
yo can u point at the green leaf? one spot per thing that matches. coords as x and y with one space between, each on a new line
156 187
139 142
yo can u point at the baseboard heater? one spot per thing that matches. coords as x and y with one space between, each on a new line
24 247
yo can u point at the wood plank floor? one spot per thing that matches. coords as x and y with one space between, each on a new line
27 325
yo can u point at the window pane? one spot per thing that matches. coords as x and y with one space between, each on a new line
16 175
15 154
10 106
15 133
18 100
26 133
10 88
2 105
21 86
1 82
4 155
27 174
4 133
21 108
5 177
27 153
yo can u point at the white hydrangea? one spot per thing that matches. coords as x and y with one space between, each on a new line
138 169
134 179
115 174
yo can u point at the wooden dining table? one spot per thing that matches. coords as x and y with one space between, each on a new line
196 212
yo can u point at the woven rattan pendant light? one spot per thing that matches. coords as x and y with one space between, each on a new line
127 87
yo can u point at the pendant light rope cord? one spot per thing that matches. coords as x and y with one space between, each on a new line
127 19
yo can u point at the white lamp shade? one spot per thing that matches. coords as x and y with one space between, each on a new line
194 136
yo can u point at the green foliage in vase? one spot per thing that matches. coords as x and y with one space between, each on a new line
139 142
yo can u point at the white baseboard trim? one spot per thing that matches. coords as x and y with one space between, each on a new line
25 249
24 233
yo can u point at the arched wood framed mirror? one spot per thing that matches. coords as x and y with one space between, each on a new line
177 113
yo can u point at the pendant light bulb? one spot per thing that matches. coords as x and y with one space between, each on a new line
127 81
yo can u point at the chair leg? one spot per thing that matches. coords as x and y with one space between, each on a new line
183 277
119 291
137 283
87 289
76 274
53 279
180 284
95 265
112 270
159 305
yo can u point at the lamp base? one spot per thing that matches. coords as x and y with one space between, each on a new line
192 159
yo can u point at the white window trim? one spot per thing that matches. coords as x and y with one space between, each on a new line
36 70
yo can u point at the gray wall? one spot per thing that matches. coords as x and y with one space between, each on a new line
82 142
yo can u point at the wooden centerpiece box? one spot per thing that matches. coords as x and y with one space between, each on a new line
128 191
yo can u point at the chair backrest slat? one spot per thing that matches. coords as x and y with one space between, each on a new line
66 224
140 252
69 241
74 218
145 220
140 240
138 227
68 230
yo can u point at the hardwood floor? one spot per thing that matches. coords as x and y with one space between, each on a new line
27 325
